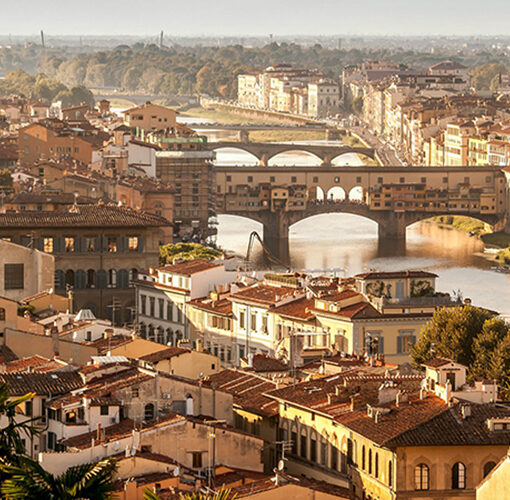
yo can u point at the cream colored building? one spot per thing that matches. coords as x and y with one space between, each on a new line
150 116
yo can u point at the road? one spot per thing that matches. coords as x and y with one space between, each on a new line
387 155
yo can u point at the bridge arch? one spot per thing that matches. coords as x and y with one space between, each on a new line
352 159
272 160
356 193
336 193
227 153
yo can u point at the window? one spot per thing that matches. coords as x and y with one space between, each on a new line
334 458
404 342
303 445
253 321
48 244
148 412
242 320
363 458
90 244
458 476
370 461
376 465
104 410
133 243
14 276
69 243
169 311
324 454
421 477
2 314
293 438
161 307
112 244
488 467
143 304
152 302
390 473
250 178
28 408
313 449
197 459
293 179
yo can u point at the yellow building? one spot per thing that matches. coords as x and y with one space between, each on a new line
389 439
150 116
496 481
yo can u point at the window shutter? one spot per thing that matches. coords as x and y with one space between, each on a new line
399 344
381 345
140 243
80 279
98 247
120 243
101 279
413 340
122 278
104 246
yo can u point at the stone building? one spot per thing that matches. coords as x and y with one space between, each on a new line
98 251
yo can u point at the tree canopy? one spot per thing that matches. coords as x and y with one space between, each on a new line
471 336
44 88
186 251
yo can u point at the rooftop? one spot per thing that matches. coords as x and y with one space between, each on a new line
190 267
42 384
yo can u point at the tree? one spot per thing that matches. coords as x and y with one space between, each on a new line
13 434
471 336
223 494
28 480
357 105
186 251
5 178
450 334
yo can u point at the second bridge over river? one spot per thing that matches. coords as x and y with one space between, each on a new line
394 197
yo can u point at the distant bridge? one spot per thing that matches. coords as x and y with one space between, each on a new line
393 215
264 151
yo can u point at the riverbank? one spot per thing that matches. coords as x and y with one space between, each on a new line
224 116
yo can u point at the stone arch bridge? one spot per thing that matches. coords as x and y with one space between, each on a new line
393 197
264 151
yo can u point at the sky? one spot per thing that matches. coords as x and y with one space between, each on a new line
254 17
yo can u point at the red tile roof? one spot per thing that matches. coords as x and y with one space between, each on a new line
248 390
190 267
169 352
86 216
263 294
43 384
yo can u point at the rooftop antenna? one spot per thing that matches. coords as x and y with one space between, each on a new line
42 38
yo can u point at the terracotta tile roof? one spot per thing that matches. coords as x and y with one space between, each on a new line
43 384
263 363
222 306
6 355
448 428
262 294
87 216
300 309
248 390
57 198
103 345
33 364
332 395
167 353
360 310
190 267
437 362
118 431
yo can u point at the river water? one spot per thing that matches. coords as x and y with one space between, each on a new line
347 244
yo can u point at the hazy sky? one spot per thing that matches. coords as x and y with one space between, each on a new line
254 17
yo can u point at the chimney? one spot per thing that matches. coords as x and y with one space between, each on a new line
422 393
376 417
330 397
465 411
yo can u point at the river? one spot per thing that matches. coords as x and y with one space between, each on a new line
349 242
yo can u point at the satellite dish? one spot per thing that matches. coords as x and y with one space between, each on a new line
281 465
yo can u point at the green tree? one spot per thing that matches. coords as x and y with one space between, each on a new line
486 75
223 494
15 430
450 334
5 178
28 480
186 251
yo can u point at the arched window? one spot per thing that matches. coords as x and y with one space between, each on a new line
151 333
148 413
350 452
390 473
421 477
169 336
2 314
70 277
161 335
91 279
143 330
363 458
370 461
376 465
486 468
112 278
458 476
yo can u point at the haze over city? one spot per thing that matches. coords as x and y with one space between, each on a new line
231 17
